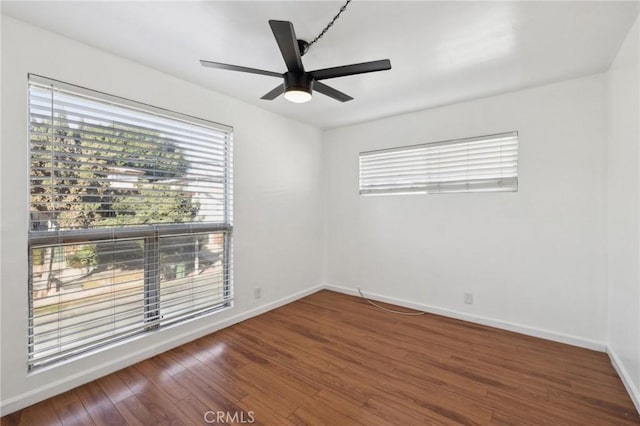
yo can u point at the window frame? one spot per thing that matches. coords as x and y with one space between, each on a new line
151 234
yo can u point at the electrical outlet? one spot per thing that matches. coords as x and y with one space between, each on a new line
257 292
468 298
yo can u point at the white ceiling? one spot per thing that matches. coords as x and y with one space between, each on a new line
441 52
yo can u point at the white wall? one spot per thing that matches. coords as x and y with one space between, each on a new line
623 211
534 260
278 223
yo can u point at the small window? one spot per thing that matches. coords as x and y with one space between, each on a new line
130 219
480 164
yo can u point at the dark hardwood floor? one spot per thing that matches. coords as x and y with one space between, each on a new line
334 359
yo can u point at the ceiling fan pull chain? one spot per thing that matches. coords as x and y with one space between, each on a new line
330 24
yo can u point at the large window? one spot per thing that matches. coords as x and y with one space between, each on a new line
480 164
130 219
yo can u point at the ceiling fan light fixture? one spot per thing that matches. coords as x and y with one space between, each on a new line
298 87
298 95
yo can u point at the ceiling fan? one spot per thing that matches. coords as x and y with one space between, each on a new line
298 84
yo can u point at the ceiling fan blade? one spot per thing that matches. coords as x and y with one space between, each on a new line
331 92
373 66
238 68
274 93
288 44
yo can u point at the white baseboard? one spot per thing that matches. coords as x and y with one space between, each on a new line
64 384
504 325
632 390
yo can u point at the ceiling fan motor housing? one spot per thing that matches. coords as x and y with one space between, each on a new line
301 81
303 46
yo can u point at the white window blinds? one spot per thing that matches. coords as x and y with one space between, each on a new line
131 219
486 163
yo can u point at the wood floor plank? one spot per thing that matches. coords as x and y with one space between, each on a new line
392 404
98 405
393 413
593 407
70 410
444 378
115 388
42 413
193 410
166 364
515 408
161 407
162 380
334 359
135 412
317 413
264 412
217 379
439 400
349 407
